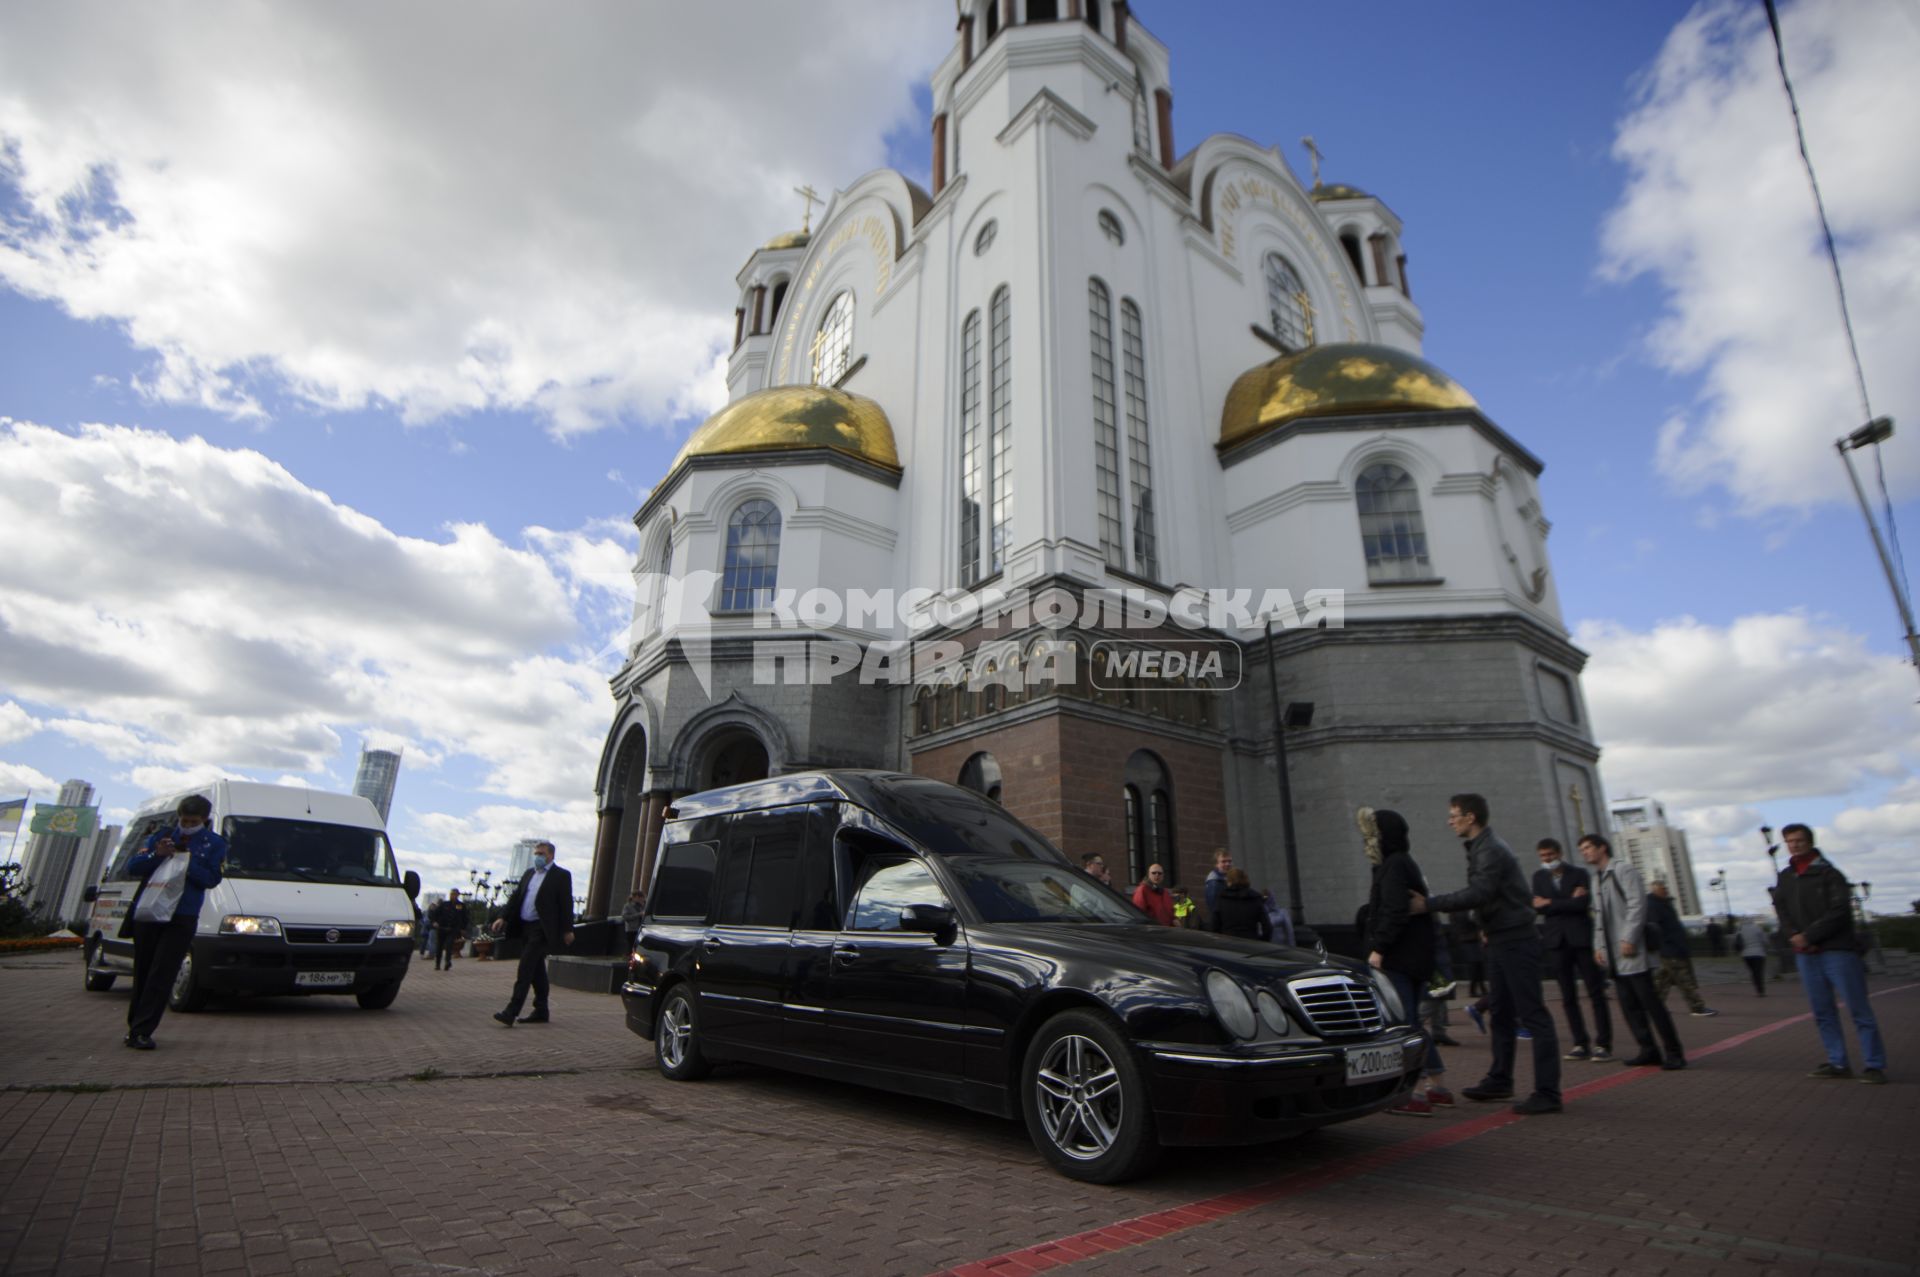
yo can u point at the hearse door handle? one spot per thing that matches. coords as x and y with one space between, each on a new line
715 942
843 954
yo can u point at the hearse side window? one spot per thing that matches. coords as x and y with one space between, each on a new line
683 885
886 888
820 908
136 839
762 866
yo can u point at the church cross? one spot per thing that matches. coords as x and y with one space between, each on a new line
1314 151
807 193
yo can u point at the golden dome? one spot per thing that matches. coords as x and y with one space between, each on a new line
1335 381
788 239
788 418
1338 191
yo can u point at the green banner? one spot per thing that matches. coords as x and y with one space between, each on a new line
75 821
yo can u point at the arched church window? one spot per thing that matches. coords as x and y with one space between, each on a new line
1142 130
1043 10
993 18
753 556
1106 425
833 344
1288 315
981 774
1111 228
923 711
1160 825
773 309
984 240
1000 424
1392 532
1136 862
1350 243
972 473
1093 14
1150 814
1146 547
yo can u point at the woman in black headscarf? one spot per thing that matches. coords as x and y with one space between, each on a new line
1400 942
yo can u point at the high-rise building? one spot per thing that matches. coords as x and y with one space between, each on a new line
50 857
379 772
1656 849
522 859
1085 367
96 851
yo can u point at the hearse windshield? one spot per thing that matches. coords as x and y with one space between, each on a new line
1036 891
307 851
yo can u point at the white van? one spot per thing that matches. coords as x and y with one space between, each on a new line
310 900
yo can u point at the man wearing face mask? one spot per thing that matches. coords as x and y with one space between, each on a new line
540 912
175 868
1562 897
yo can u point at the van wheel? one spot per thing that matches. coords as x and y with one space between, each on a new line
379 997
1085 1100
97 981
187 995
676 1042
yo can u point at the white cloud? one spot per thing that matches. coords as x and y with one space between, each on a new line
397 207
1716 209
16 723
1761 722
306 623
18 778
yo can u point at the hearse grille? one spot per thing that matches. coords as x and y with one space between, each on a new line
319 935
1336 1006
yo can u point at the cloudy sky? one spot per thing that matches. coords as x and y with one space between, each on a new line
338 345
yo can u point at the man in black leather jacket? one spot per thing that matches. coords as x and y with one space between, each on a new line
1502 903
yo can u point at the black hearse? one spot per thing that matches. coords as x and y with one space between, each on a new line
908 934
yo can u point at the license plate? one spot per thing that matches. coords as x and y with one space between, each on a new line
322 979
1365 1063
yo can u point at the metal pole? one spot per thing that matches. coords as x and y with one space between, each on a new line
1286 788
1880 547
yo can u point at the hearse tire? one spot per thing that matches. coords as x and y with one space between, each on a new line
676 1040
1085 1100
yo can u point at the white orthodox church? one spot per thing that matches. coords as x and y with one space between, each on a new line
1084 363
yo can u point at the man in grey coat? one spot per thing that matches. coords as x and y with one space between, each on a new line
1620 925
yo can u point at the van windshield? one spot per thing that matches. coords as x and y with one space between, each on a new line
307 851
1036 891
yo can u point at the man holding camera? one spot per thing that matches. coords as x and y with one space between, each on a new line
175 868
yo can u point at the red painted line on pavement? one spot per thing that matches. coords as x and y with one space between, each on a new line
1126 1233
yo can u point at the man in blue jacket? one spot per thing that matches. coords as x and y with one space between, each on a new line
175 868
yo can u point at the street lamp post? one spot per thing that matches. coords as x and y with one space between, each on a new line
1726 896
1874 433
1298 714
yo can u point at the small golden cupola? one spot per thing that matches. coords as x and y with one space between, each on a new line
797 418
1340 380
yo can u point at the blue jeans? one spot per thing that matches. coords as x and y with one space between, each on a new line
1841 971
1410 994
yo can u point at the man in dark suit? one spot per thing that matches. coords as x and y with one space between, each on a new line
1562 897
540 912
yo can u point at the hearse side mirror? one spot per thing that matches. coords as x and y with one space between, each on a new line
412 881
89 894
930 918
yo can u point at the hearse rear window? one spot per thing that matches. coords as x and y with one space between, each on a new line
683 887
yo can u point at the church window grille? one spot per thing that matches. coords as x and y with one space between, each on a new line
1136 861
1146 552
984 240
833 344
971 474
1287 312
1392 532
1000 425
1111 228
753 557
1106 427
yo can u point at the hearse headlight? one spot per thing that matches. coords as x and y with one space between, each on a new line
245 924
1230 1004
1388 997
1271 1014
398 929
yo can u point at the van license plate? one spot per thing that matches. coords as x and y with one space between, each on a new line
1367 1062
335 979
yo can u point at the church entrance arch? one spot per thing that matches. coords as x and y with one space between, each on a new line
625 803
732 756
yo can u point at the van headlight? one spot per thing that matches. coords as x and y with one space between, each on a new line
246 924
1230 1004
398 929
1388 997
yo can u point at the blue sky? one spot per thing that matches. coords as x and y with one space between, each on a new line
441 288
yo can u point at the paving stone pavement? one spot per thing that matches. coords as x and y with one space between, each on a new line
288 1136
